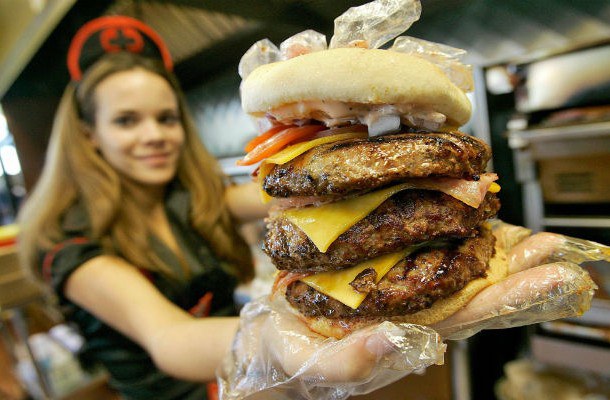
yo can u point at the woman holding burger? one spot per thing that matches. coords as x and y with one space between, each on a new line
133 224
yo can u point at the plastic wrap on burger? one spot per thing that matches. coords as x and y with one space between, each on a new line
380 204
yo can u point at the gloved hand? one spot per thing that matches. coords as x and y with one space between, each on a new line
275 356
544 283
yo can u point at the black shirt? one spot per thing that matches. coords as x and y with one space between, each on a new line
208 291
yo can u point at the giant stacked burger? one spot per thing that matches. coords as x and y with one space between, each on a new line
380 202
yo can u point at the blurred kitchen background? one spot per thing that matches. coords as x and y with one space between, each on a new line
542 100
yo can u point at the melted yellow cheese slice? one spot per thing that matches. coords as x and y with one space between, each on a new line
336 284
294 151
325 223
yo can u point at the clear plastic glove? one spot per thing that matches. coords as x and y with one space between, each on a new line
539 294
544 283
547 247
275 356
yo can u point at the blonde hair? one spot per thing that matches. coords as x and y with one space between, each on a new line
75 171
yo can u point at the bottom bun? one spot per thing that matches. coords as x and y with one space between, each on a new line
441 309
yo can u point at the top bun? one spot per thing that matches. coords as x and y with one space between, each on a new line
355 75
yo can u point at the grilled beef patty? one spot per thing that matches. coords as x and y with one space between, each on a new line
411 285
349 166
408 217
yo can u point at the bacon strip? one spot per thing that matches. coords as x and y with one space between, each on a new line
471 193
285 278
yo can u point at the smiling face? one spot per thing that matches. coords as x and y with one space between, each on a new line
138 128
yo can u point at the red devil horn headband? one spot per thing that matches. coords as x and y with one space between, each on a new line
110 35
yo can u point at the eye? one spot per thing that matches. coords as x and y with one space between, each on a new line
170 118
125 120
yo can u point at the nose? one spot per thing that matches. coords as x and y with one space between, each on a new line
153 131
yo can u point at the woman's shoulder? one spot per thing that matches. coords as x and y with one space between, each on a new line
72 249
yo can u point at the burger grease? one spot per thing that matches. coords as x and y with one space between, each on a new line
380 202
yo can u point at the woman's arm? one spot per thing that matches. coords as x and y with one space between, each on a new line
180 345
244 202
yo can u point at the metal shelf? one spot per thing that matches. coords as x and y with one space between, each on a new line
532 145
564 141
577 222
571 354
568 132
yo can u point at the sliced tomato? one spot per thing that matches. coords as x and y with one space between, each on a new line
278 141
264 136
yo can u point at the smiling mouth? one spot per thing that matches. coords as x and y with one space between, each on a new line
156 159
